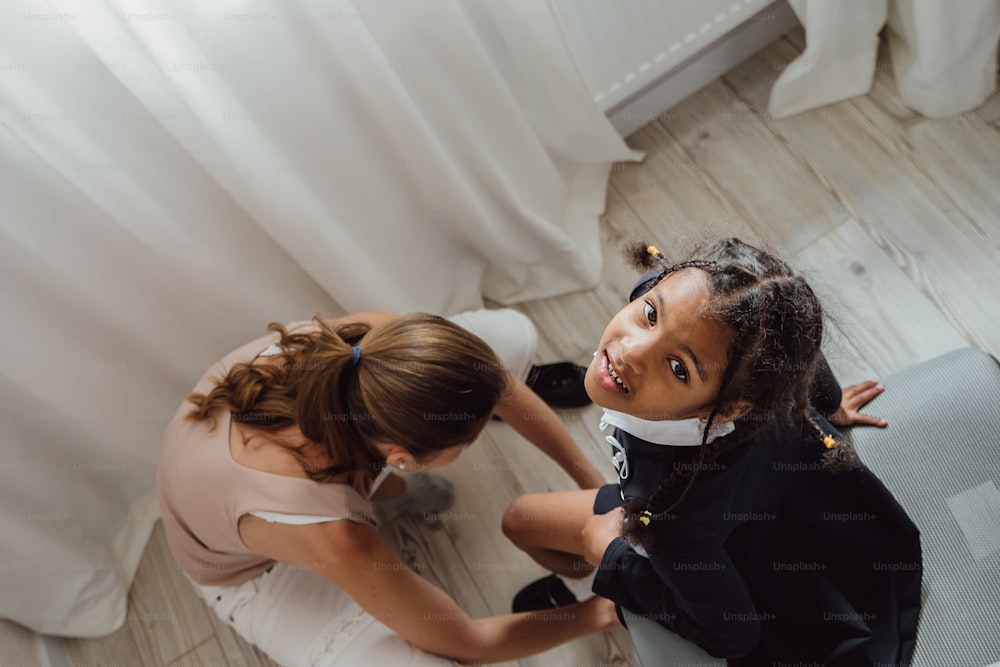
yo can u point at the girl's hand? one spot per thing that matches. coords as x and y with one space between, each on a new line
853 398
598 532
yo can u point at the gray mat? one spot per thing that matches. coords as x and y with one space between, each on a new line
940 457
658 647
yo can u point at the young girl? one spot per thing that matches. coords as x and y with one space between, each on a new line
267 467
741 520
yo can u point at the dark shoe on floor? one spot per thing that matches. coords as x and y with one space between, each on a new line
560 384
546 593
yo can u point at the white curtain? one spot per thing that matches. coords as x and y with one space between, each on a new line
944 54
174 175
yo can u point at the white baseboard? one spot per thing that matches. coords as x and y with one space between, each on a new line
703 68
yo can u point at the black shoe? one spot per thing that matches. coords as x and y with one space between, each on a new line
546 593
560 384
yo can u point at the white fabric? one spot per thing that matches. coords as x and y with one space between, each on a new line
509 333
176 175
294 519
944 55
676 433
302 620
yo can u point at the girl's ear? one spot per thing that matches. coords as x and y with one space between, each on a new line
733 411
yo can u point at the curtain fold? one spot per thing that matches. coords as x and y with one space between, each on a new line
177 175
944 55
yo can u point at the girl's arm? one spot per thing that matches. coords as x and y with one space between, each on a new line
843 406
530 416
825 393
356 558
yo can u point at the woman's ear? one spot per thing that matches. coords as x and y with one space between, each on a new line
733 411
397 456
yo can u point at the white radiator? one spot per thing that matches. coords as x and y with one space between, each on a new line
640 57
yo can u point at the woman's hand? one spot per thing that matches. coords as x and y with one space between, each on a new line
854 398
598 532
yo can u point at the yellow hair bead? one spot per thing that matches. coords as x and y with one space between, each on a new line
653 250
829 442
644 518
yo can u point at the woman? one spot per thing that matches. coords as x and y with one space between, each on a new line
268 466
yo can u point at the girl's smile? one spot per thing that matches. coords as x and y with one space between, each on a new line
609 378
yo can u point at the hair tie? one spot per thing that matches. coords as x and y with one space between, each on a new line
644 517
829 441
357 355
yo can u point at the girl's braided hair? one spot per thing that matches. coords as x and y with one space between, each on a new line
778 326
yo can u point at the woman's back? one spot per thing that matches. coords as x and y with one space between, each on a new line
212 474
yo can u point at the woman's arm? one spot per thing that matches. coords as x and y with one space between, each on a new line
356 558
530 416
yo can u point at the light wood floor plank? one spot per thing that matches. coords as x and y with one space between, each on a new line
901 208
677 205
732 144
619 226
117 648
989 111
876 306
206 654
165 616
961 156
847 362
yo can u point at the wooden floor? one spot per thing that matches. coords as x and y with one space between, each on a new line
894 218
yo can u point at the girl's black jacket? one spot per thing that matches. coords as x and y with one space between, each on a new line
772 558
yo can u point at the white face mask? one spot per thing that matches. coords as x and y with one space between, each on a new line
679 433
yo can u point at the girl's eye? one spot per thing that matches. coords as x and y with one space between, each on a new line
679 370
649 312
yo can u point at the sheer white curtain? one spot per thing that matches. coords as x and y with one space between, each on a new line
174 175
944 54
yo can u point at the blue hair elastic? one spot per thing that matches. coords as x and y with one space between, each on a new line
357 355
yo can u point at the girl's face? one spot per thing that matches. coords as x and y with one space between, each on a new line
668 357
